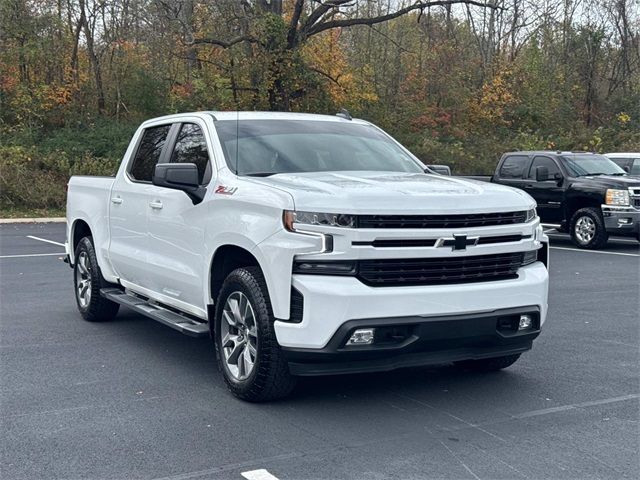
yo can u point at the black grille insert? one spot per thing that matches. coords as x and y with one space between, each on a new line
439 271
297 306
441 221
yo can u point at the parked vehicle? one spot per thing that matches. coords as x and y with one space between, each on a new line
585 193
307 245
629 162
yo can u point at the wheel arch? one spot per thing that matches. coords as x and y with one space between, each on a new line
576 203
79 229
225 259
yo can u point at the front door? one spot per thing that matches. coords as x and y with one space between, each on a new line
548 193
176 254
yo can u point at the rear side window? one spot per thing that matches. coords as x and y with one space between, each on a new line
543 162
191 147
513 166
148 153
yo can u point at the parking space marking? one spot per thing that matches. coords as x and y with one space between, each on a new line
596 251
562 408
33 255
261 474
45 240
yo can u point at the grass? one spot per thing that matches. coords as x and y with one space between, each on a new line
31 212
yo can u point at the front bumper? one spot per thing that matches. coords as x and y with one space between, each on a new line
418 341
329 302
621 220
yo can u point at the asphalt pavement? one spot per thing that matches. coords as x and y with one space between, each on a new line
132 398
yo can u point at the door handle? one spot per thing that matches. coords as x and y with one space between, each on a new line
156 204
116 200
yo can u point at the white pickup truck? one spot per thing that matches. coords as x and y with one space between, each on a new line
307 245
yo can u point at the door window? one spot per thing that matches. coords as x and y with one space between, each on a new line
513 166
191 147
148 154
544 162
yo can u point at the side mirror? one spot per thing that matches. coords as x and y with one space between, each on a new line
627 168
439 169
180 176
542 174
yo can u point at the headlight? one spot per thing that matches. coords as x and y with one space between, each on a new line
531 214
314 218
617 197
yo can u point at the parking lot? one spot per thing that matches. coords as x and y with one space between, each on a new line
134 399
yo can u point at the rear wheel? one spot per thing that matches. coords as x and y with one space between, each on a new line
88 281
489 364
587 228
248 354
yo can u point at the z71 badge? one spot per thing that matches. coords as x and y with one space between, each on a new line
223 190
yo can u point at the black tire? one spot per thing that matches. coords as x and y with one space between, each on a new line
95 308
488 364
593 216
269 377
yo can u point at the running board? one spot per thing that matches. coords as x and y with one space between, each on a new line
183 323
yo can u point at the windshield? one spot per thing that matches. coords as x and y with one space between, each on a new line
589 164
267 147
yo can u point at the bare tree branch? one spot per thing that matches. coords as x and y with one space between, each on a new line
349 22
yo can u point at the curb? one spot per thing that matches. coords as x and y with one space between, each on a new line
34 220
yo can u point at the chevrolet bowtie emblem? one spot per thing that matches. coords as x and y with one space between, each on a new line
458 242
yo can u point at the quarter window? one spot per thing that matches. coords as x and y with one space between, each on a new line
148 153
543 162
513 166
191 147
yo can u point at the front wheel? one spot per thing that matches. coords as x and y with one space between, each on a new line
489 364
588 229
248 354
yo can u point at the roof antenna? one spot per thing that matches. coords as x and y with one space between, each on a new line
344 113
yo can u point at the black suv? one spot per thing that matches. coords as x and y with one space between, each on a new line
585 193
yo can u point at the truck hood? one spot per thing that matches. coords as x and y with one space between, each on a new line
395 193
611 181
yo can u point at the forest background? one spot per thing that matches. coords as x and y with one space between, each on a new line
458 82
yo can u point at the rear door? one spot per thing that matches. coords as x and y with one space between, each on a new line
549 194
513 170
129 206
176 253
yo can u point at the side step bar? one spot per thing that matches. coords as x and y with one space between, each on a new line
183 323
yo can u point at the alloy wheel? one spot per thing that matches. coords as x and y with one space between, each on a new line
585 229
83 280
239 336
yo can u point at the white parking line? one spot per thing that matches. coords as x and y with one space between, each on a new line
33 255
261 474
595 251
45 240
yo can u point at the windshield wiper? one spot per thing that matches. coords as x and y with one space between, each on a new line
260 174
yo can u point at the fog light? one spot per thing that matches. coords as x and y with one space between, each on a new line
525 323
362 336
624 221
